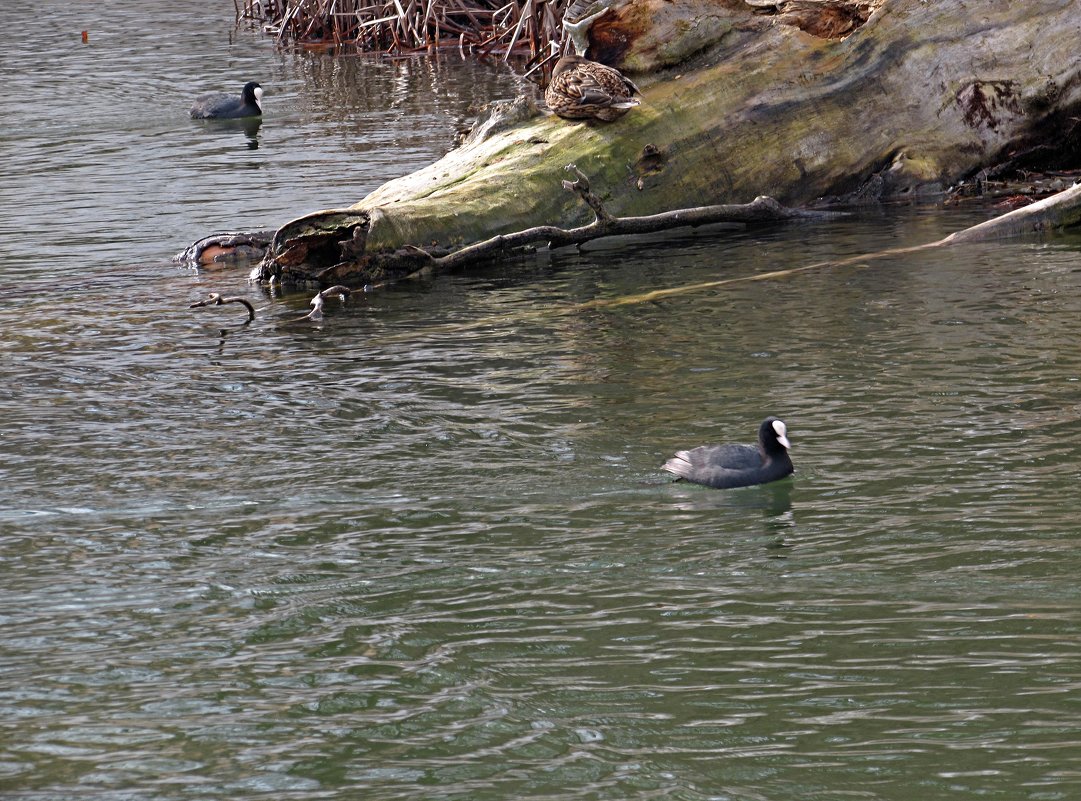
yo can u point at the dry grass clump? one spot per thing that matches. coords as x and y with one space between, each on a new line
397 27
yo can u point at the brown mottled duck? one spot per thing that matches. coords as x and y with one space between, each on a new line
583 90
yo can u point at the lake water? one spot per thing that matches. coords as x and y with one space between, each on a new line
424 550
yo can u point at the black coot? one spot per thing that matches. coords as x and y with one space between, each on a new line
724 466
229 107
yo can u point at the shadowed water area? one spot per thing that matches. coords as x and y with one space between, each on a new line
424 549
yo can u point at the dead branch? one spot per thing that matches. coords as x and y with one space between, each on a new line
317 303
762 209
1058 211
215 299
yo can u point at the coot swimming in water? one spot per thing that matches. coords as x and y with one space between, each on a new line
229 107
725 466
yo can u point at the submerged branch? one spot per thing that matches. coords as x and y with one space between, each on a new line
1058 211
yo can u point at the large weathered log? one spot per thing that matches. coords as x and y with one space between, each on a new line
1060 210
760 210
918 96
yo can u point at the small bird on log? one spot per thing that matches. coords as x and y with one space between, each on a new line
582 89
218 106
217 300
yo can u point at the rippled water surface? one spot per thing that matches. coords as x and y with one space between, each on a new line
424 548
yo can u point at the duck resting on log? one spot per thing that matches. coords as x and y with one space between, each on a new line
581 89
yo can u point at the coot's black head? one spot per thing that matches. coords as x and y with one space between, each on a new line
251 93
773 436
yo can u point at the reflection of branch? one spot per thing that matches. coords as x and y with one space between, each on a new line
217 300
761 209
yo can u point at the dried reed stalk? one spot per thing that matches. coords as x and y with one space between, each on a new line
488 27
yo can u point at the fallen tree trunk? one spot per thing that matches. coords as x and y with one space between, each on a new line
1061 210
913 98
761 210
1058 211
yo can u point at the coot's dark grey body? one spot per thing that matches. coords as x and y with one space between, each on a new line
726 466
229 107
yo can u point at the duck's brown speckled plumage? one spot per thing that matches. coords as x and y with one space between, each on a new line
582 89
